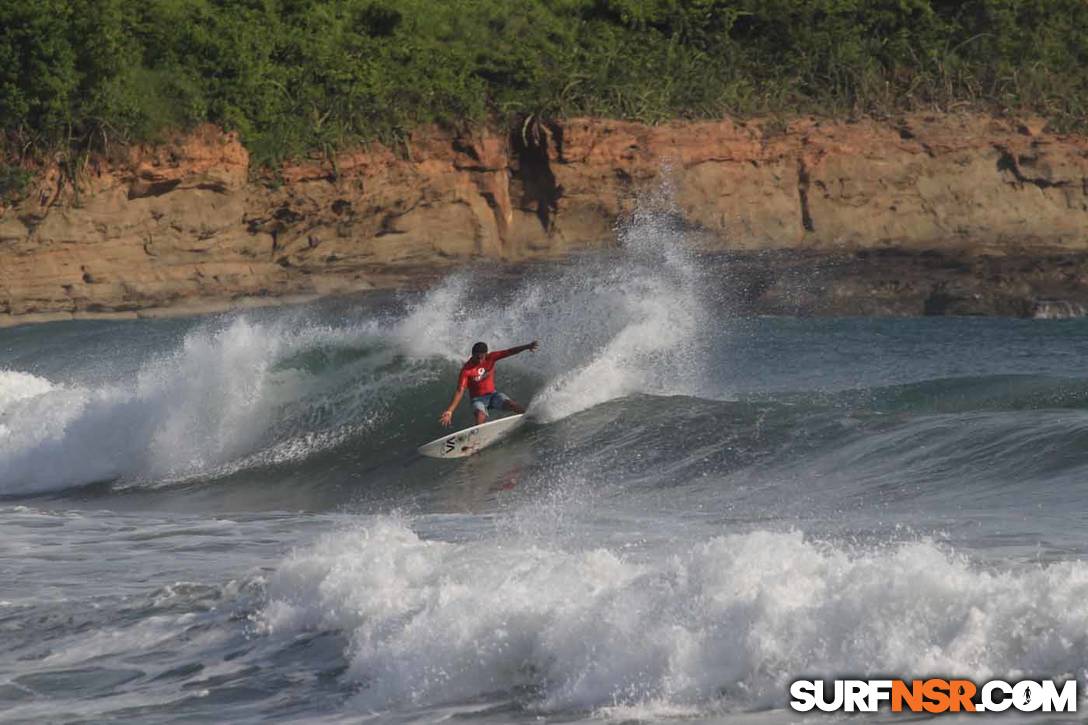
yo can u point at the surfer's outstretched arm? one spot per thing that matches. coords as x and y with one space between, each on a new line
447 415
515 350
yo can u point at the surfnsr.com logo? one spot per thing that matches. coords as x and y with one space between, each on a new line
933 696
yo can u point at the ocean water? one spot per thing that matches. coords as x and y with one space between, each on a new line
224 519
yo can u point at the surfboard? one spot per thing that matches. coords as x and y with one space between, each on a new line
471 440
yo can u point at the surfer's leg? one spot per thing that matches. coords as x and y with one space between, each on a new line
479 408
510 404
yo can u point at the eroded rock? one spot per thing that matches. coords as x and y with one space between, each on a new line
190 220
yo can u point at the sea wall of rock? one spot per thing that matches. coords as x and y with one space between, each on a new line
976 206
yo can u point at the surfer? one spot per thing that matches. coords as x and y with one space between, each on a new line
477 374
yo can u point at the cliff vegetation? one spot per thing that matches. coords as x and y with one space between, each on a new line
298 76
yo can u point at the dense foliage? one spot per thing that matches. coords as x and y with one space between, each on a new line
294 75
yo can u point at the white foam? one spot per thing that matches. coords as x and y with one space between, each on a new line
217 399
724 623
15 386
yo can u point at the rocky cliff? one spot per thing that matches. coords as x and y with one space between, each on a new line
926 214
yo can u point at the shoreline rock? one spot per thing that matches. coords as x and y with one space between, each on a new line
921 215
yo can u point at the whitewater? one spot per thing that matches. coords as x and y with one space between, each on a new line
224 519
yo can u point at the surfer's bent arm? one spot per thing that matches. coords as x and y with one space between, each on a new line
500 354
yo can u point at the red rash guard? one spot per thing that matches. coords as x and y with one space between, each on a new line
480 379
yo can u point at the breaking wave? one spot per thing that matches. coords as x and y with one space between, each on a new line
724 623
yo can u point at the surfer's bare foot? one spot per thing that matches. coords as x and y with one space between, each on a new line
514 406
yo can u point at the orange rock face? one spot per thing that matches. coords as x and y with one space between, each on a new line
190 222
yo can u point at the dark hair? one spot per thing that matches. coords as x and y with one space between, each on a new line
479 348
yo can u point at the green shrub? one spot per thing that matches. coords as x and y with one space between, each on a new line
14 182
293 76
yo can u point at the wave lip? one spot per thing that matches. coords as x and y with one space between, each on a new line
725 624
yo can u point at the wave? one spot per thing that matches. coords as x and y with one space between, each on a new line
245 395
724 623
226 394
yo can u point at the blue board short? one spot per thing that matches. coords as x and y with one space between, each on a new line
491 401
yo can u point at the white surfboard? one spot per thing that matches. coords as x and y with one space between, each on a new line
470 440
